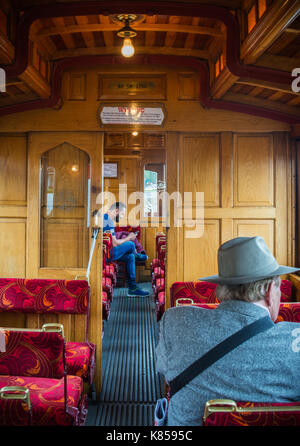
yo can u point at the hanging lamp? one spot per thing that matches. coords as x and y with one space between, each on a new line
127 33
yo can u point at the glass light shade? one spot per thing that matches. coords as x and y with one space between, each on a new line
127 48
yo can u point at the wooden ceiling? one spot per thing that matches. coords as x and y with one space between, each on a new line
271 41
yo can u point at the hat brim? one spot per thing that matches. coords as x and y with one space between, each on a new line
247 279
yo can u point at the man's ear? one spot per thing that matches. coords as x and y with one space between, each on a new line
268 294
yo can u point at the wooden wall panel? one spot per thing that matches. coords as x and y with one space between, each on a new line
248 190
253 228
187 87
200 253
13 243
201 160
63 247
253 170
13 169
77 87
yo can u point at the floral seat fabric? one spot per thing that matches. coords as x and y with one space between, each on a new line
80 360
274 418
47 401
30 353
43 296
205 292
35 360
51 296
193 292
160 305
105 306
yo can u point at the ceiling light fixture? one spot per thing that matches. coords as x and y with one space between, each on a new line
127 33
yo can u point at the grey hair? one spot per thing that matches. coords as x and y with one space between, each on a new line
249 292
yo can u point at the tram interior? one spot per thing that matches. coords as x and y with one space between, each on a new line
198 134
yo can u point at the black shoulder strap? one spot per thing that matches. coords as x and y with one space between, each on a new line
218 352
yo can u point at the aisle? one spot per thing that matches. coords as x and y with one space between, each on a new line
131 385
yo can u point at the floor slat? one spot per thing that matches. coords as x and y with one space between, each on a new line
131 384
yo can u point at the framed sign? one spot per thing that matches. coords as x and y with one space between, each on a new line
132 114
110 170
125 86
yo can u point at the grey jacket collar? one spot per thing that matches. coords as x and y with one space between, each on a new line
242 307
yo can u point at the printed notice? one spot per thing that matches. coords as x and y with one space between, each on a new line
132 115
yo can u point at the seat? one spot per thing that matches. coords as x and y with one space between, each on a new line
50 296
205 292
225 412
33 373
105 306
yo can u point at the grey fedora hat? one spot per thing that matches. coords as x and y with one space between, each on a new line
244 260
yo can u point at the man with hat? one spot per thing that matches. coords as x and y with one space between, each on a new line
265 368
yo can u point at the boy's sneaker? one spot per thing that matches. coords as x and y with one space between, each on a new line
141 257
137 292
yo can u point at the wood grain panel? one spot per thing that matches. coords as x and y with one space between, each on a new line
200 254
64 228
77 87
253 228
187 87
253 170
201 160
12 243
13 163
63 244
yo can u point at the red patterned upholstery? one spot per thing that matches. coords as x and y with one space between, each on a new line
80 360
44 296
105 306
156 263
159 286
109 271
107 287
158 273
32 353
160 305
289 312
47 400
194 292
129 229
204 292
49 296
35 360
258 418
286 288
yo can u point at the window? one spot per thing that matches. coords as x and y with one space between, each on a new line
65 208
154 184
256 11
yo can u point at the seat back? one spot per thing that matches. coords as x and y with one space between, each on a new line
226 412
48 297
193 293
35 353
182 293
130 229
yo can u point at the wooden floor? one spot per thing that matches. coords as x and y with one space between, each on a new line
131 384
